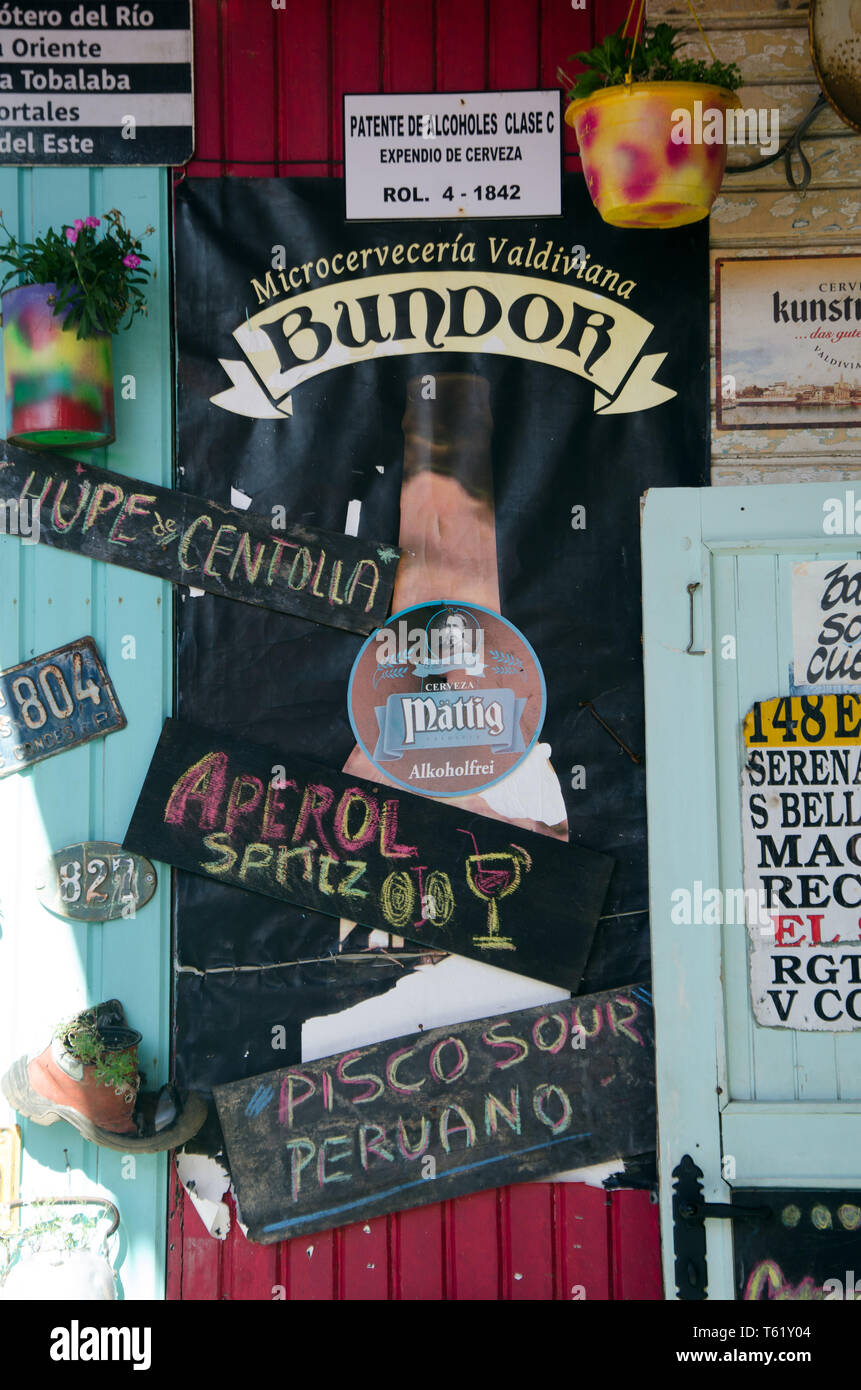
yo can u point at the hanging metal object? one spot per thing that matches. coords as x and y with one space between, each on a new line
834 28
834 31
55 1259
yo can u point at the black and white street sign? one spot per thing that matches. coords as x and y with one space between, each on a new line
96 83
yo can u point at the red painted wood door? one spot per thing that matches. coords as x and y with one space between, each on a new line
536 1241
268 89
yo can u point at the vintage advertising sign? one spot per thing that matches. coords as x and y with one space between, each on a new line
54 702
276 824
324 576
419 310
788 334
446 698
437 1114
95 881
801 800
808 1249
453 154
96 83
826 624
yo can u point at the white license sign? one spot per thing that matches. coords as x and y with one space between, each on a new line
453 155
826 624
801 821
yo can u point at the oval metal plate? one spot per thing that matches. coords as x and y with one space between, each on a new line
96 881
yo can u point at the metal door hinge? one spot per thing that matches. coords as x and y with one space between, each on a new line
690 1212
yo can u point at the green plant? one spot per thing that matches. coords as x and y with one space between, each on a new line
53 1233
99 279
114 1067
654 60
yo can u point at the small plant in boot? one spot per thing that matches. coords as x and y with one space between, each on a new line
110 1050
88 1076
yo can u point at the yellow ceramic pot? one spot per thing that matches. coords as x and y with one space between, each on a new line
653 153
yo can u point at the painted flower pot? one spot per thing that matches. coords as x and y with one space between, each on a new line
59 389
637 174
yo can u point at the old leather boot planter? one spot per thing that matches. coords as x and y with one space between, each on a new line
101 1099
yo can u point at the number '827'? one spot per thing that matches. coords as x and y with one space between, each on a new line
123 868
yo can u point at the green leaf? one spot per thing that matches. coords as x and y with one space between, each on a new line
654 59
94 288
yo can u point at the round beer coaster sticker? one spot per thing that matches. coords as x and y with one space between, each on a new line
447 698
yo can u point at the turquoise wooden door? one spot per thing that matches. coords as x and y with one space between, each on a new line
754 1106
50 968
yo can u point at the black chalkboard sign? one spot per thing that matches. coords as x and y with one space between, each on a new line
54 702
321 575
809 1248
435 1115
276 824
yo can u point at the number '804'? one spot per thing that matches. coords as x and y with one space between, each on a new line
50 693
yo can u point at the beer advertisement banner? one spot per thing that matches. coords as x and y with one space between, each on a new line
493 398
788 343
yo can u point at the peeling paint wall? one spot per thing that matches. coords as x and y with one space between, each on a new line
757 214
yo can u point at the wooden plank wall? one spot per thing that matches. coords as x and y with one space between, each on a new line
533 1242
268 83
758 214
268 102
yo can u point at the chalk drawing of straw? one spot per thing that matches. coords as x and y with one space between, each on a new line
492 877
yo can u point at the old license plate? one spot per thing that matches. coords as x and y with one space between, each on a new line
54 702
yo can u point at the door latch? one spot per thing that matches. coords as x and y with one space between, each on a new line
689 649
690 1212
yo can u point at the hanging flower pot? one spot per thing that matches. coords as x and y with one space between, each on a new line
66 293
646 165
651 126
59 388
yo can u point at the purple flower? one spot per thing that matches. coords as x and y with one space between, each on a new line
92 222
131 260
71 235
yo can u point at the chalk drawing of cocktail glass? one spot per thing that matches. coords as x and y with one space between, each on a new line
493 877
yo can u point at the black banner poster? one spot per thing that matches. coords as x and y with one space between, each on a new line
495 397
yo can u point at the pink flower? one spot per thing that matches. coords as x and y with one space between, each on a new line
71 235
92 221
131 260
78 224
